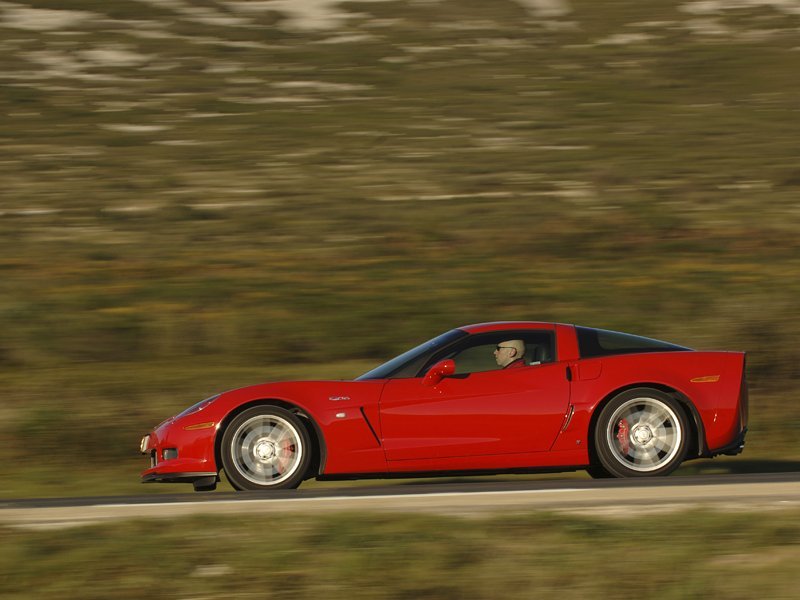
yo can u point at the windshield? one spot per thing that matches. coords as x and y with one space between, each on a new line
408 363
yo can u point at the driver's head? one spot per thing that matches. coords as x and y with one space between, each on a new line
507 352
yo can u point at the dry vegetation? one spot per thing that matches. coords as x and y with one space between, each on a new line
695 555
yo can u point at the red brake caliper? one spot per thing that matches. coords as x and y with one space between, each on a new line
286 448
622 436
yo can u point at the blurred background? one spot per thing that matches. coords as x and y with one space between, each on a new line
197 195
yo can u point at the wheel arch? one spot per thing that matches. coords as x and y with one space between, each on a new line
697 438
319 448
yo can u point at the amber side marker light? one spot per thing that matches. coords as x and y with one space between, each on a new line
199 426
706 379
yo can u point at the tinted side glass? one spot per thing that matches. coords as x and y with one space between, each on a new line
476 353
601 342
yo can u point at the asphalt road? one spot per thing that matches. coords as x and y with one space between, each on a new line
612 498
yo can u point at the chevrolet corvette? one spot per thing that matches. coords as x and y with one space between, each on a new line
511 397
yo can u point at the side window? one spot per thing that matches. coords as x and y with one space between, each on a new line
476 353
476 359
601 342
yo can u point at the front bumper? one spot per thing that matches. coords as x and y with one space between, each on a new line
179 452
176 477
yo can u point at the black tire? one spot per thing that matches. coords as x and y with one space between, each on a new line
265 448
641 432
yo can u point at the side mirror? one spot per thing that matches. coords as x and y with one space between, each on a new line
442 369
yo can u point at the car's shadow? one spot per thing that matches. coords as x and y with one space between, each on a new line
718 466
738 466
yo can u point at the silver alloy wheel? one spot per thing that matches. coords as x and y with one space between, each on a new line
266 449
644 434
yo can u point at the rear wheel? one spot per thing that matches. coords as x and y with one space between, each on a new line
641 432
265 448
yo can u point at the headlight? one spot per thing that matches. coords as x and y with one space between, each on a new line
198 407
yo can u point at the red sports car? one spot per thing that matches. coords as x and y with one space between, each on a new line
491 398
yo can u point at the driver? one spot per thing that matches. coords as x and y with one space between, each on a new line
510 354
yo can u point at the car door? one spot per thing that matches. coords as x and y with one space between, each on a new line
496 412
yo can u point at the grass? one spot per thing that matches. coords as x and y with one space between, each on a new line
686 555
192 206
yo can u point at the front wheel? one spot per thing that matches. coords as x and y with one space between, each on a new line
265 448
641 432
